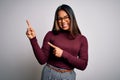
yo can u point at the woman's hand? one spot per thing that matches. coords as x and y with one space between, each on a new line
30 31
57 51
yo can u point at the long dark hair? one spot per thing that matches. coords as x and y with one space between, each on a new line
74 30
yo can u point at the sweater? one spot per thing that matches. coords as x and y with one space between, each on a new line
75 51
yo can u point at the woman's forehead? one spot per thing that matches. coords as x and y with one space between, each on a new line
62 13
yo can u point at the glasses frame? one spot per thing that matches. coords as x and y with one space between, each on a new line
63 18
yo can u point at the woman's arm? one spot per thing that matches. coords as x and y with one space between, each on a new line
42 53
81 61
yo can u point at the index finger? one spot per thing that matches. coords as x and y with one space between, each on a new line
53 46
28 23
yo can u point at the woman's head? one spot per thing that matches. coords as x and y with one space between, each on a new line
65 20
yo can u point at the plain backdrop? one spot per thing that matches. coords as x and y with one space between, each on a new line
98 20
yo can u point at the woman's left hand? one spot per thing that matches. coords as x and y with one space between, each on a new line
57 51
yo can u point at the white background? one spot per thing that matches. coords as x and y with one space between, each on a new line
98 20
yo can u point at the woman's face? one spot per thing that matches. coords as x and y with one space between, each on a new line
63 20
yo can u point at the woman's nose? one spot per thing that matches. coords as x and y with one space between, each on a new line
63 20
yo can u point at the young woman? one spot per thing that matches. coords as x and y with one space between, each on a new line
64 48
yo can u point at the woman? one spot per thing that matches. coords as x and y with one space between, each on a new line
64 48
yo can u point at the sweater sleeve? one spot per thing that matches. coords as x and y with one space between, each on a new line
42 53
79 62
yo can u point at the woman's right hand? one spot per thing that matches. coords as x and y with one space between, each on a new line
30 31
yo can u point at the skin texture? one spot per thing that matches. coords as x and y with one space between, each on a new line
30 31
63 20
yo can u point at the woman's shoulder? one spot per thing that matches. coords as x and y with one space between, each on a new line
49 33
82 37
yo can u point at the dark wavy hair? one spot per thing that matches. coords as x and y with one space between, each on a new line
74 29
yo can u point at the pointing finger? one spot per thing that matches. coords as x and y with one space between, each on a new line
28 23
51 45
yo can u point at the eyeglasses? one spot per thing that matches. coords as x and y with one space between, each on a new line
64 18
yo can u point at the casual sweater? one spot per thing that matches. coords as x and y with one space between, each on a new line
75 51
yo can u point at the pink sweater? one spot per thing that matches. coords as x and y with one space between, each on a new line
75 51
